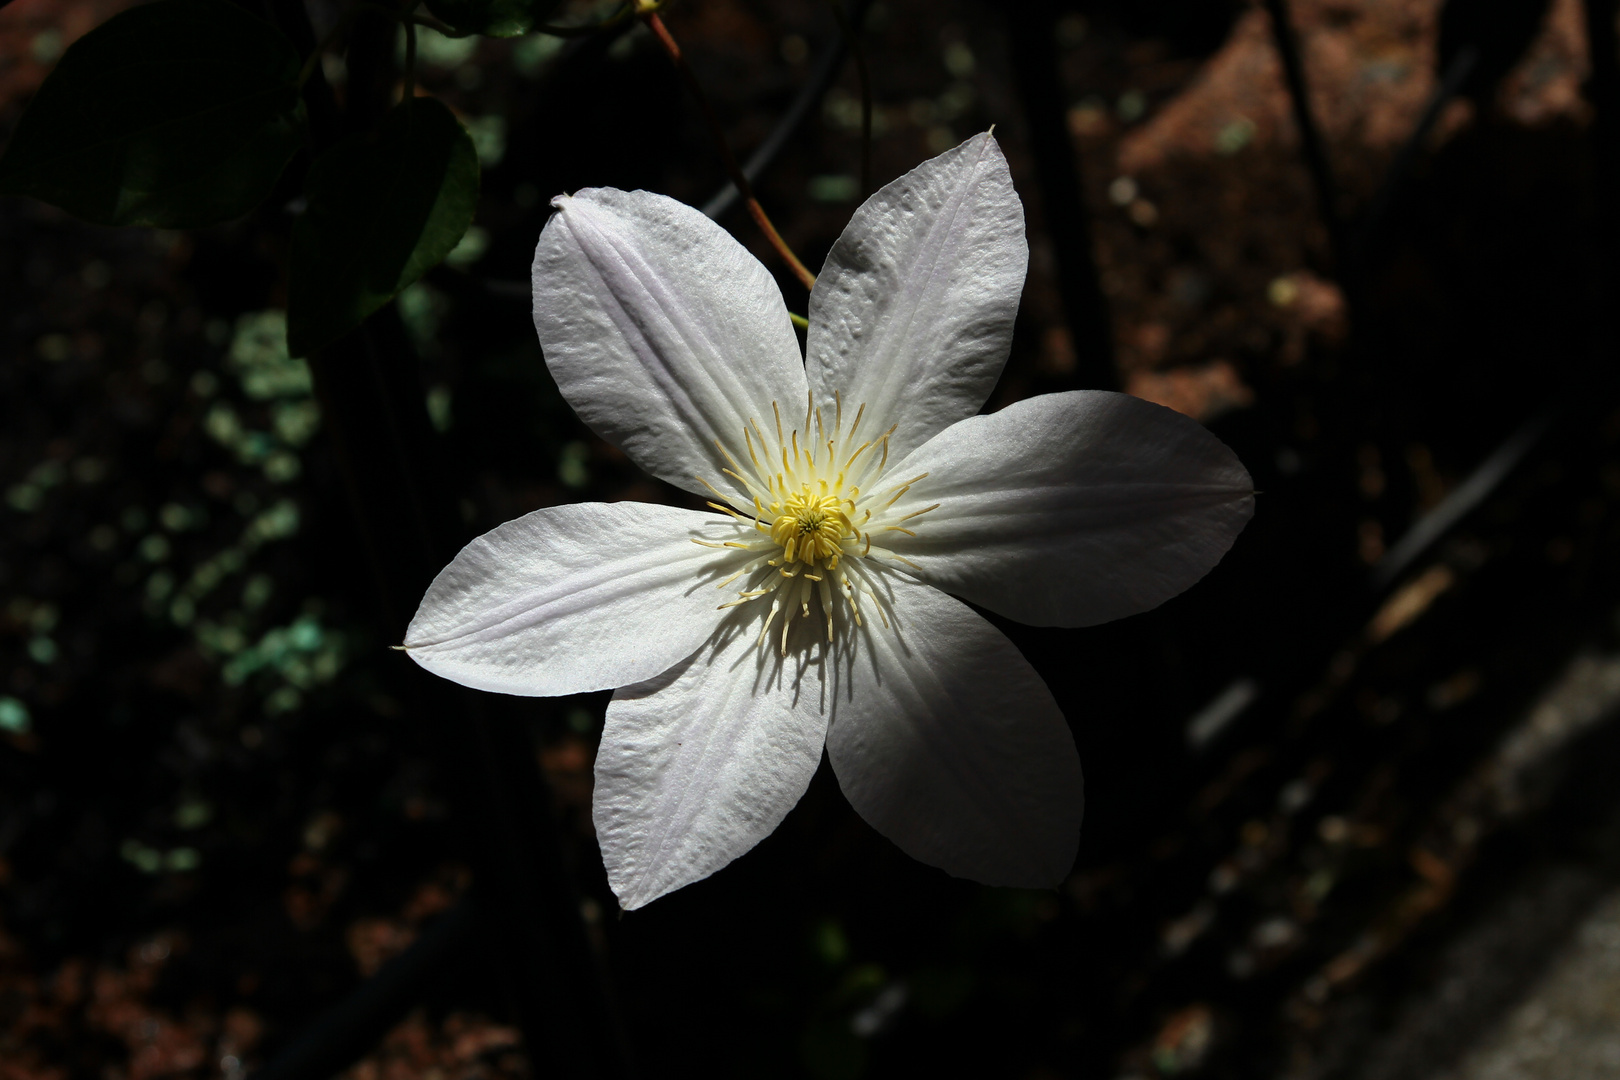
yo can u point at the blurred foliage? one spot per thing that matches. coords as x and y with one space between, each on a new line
175 114
212 780
383 208
498 18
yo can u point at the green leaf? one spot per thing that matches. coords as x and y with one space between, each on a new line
384 207
497 18
175 114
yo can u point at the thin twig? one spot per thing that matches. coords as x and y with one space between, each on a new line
1310 137
349 1029
803 106
427 22
851 32
1370 228
1037 75
1467 496
661 32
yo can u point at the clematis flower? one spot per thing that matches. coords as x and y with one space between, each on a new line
856 500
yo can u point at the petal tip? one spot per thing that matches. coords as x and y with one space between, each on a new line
985 144
634 895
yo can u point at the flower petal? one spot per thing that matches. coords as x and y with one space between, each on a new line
572 598
912 314
702 763
1073 509
661 330
947 742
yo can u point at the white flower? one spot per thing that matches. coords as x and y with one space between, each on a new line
853 490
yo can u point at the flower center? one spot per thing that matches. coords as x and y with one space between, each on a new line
807 505
812 527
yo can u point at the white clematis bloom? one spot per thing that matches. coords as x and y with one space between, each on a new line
852 490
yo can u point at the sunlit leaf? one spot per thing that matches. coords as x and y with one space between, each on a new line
174 114
497 18
384 207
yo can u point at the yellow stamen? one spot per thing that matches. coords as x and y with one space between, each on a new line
919 513
809 517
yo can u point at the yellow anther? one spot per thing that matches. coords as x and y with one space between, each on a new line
811 527
816 522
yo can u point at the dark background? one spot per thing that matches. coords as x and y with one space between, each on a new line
224 803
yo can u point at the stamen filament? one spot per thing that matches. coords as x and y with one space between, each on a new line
809 519
741 480
717 492
903 489
920 513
